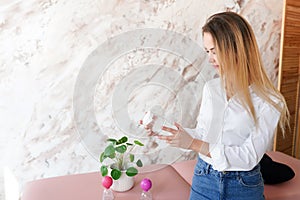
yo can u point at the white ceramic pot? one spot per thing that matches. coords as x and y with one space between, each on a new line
124 183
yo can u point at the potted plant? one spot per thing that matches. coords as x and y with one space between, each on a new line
118 161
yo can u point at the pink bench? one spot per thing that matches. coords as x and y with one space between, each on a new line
289 190
169 182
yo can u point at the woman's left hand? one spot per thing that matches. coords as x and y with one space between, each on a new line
179 138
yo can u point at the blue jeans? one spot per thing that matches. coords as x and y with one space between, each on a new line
230 185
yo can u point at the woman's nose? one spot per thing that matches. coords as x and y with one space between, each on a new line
210 58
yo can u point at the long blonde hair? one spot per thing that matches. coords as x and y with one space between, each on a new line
241 65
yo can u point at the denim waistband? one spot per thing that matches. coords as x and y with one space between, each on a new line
208 169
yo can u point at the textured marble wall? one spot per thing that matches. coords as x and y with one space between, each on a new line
73 73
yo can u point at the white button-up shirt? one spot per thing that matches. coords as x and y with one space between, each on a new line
235 143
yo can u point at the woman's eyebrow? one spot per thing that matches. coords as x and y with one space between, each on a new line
209 49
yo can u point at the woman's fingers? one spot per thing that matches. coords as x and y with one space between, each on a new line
166 138
152 133
179 127
147 127
170 130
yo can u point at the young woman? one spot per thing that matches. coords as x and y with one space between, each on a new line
239 114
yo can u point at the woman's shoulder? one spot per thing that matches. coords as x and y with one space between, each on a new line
261 103
214 87
216 82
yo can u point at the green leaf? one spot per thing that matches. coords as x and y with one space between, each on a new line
102 157
103 170
131 171
138 143
114 141
115 174
139 163
129 144
131 157
110 152
122 140
121 149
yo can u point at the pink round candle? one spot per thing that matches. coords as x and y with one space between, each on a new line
107 182
146 184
